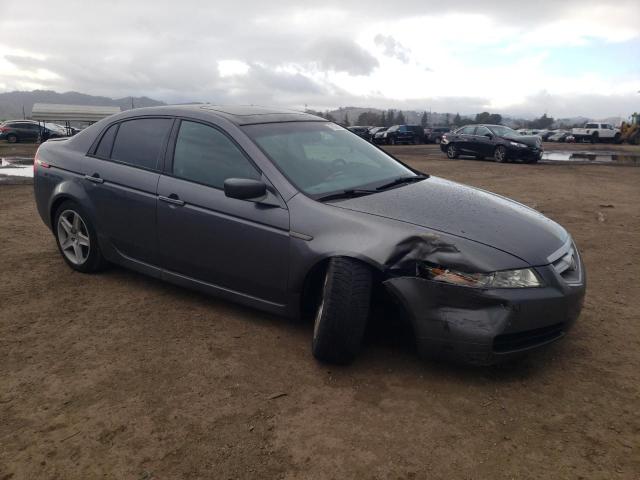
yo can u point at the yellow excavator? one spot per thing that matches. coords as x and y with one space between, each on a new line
630 132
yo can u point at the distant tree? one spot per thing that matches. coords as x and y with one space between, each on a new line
391 118
400 120
490 118
383 119
457 120
424 121
328 116
542 122
369 118
447 119
346 120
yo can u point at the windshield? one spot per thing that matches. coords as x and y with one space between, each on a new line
502 131
322 157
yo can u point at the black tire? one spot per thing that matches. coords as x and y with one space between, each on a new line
594 137
94 261
452 151
11 138
392 141
341 316
437 140
500 154
616 138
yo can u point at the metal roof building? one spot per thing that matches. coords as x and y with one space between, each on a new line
51 112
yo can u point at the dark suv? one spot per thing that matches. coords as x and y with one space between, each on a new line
361 131
434 134
403 134
19 131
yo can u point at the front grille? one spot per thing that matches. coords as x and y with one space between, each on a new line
508 342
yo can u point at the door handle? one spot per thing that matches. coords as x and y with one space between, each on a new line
95 178
172 199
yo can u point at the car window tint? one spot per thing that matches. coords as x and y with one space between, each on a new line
482 131
104 148
205 155
468 130
139 142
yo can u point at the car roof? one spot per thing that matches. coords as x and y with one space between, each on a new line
237 114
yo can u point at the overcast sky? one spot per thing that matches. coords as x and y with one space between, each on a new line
562 57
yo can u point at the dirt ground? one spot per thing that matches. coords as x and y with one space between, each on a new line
120 376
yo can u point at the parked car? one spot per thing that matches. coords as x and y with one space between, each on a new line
290 213
434 134
398 134
497 141
596 132
362 132
558 136
14 131
378 136
372 132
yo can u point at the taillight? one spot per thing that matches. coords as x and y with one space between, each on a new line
37 162
4 129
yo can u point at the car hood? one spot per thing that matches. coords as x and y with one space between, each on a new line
467 212
531 140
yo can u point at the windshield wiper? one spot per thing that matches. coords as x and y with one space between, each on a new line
349 193
401 180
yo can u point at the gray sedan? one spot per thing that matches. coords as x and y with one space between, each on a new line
290 213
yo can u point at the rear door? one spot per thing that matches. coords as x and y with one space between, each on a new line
466 140
122 178
232 244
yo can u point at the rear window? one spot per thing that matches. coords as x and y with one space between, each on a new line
139 142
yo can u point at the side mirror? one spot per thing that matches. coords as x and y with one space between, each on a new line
244 188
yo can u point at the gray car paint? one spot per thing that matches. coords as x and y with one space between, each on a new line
262 255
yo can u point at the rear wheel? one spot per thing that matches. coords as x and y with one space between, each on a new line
452 151
76 239
437 140
500 154
594 137
616 138
392 141
341 317
11 138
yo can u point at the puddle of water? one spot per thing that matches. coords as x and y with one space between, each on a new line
16 172
600 158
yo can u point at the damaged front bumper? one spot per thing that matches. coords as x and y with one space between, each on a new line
486 326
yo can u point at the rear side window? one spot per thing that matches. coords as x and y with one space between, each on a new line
104 148
205 155
139 142
591 125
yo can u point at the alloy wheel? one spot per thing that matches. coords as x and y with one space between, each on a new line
452 151
73 237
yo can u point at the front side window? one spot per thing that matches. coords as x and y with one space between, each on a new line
506 132
205 155
140 142
481 131
321 157
467 130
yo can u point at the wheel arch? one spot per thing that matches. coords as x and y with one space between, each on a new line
312 282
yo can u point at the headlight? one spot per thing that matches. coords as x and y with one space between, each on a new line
521 278
520 145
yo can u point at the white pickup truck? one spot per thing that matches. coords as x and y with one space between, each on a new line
596 132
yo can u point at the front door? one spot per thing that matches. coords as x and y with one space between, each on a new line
232 244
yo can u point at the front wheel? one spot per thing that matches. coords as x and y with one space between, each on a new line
594 137
452 151
77 239
392 141
11 138
500 154
341 317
